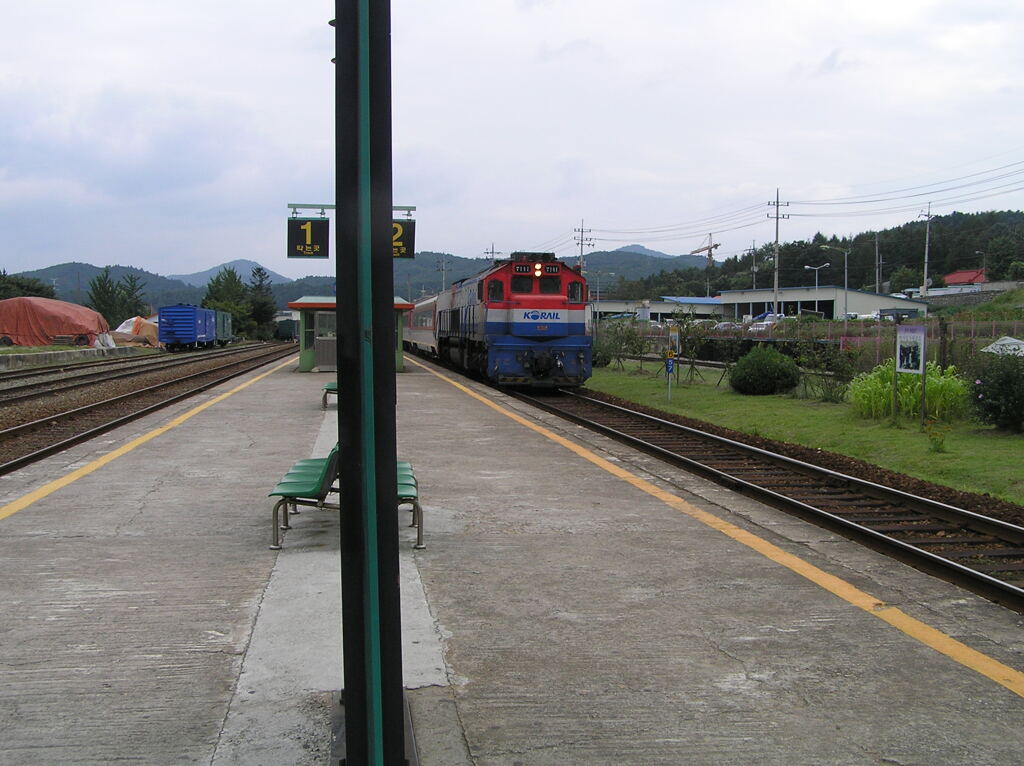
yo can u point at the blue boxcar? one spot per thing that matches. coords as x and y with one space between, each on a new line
185 326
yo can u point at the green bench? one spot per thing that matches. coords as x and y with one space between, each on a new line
307 483
310 481
331 389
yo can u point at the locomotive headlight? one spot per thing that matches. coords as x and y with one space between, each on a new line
536 269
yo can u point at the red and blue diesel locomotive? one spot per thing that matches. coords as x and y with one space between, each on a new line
518 322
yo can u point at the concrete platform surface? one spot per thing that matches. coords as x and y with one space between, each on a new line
589 622
577 603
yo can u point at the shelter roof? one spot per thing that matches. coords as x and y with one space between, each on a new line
329 303
695 300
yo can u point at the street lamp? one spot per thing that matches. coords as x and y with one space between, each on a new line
846 292
816 269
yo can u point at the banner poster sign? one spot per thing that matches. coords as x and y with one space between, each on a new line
910 348
403 238
308 237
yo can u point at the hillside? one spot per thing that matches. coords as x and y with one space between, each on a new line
71 282
643 251
242 266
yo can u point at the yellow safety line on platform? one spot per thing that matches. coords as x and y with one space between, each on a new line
1002 674
48 489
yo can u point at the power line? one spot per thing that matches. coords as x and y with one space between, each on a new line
862 201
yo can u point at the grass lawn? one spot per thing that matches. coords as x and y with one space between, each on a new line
976 458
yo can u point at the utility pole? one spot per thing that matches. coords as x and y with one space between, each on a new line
443 268
776 204
493 253
753 263
709 248
583 241
878 267
927 240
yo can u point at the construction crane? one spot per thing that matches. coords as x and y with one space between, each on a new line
709 248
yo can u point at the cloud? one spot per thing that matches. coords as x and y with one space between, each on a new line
833 63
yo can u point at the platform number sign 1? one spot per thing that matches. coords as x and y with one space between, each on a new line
308 237
403 238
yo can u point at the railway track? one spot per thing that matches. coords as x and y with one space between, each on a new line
981 553
36 383
32 438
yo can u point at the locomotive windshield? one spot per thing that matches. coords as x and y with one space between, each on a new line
520 284
495 291
575 292
550 285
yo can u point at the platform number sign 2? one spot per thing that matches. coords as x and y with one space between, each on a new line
403 238
308 237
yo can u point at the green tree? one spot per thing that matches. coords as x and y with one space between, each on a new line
1015 271
1002 251
903 278
14 286
116 301
132 293
261 298
227 292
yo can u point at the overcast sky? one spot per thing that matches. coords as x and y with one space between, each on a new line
171 136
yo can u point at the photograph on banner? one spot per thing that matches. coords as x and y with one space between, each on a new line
910 348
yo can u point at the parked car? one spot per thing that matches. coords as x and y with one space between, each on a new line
769 321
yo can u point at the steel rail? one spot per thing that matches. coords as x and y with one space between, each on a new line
54 369
989 585
120 370
20 462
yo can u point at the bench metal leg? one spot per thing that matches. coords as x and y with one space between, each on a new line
275 534
417 518
323 402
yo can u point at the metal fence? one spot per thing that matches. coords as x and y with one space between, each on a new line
871 342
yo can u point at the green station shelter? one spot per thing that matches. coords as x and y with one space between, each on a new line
318 332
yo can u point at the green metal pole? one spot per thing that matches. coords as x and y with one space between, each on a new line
364 255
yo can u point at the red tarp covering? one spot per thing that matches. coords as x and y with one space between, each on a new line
36 321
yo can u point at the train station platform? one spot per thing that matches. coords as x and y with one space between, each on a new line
577 603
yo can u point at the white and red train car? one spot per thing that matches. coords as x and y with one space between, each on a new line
518 322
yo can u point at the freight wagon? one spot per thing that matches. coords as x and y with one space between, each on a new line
189 327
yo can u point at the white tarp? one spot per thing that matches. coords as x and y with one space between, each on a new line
1006 345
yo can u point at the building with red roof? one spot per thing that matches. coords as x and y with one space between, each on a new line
966 277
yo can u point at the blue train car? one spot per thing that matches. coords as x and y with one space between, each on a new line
184 326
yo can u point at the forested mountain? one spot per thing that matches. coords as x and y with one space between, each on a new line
643 251
243 267
71 283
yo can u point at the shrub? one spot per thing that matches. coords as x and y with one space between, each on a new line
998 391
871 393
615 341
828 370
764 371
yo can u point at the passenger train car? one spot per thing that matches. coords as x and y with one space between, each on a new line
518 322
